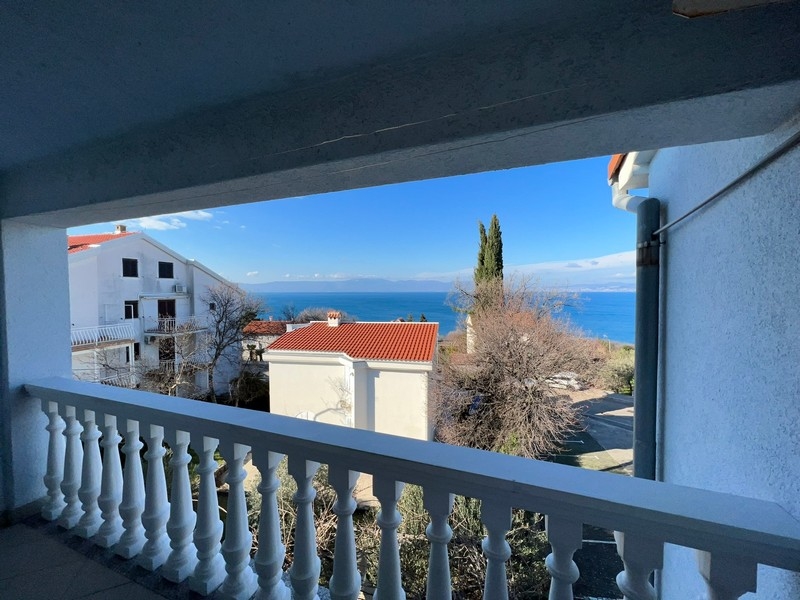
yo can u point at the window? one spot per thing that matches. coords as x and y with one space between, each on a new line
212 306
135 352
165 270
130 267
131 309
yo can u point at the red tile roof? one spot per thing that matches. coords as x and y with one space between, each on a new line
259 327
76 243
408 342
615 164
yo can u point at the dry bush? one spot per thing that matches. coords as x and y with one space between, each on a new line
497 397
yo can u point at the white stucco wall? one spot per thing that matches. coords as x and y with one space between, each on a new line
730 395
388 397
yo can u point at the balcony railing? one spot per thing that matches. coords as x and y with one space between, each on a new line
82 336
115 507
173 325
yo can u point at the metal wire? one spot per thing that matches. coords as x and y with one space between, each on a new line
761 164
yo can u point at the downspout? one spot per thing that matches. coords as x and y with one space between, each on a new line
632 172
645 394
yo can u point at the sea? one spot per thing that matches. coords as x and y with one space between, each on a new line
604 315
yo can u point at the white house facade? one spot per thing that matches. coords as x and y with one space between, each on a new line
729 397
135 301
371 376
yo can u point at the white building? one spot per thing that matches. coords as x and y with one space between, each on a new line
133 300
370 376
97 127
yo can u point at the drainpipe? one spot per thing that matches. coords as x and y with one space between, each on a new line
648 215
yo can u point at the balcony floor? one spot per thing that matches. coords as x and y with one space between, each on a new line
40 560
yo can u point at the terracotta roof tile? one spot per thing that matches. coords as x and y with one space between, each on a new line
77 243
259 327
615 164
408 342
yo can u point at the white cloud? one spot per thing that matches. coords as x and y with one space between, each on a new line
251 273
170 221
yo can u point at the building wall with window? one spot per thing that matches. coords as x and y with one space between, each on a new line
134 279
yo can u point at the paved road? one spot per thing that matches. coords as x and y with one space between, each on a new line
608 419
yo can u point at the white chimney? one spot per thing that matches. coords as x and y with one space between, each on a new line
333 318
120 229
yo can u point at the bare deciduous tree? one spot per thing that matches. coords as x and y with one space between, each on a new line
230 309
498 398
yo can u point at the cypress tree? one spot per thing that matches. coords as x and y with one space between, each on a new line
490 252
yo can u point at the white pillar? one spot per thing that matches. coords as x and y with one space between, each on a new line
210 570
640 556
271 551
73 456
35 343
132 505
439 504
496 517
565 537
389 585
91 474
180 526
240 582
727 576
304 572
55 463
345 582
156 506
111 487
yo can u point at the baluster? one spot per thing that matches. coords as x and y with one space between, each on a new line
565 537
304 572
132 506
439 504
73 456
389 585
156 506
240 582
183 557
727 576
496 517
55 463
210 570
111 488
90 478
271 551
345 582
640 556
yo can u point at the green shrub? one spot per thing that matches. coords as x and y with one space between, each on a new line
617 374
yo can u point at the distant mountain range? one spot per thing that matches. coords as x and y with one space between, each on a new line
351 285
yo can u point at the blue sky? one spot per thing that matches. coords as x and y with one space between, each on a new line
557 223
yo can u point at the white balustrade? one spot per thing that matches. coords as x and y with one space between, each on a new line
132 506
641 556
180 526
210 570
304 572
271 551
733 535
240 582
73 457
111 487
496 517
82 336
55 463
390 585
439 504
565 537
345 581
727 576
156 507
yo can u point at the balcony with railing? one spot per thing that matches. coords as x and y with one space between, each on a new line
92 495
101 335
174 325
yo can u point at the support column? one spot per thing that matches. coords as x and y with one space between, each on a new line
34 343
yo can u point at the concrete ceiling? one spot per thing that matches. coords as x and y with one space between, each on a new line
114 109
